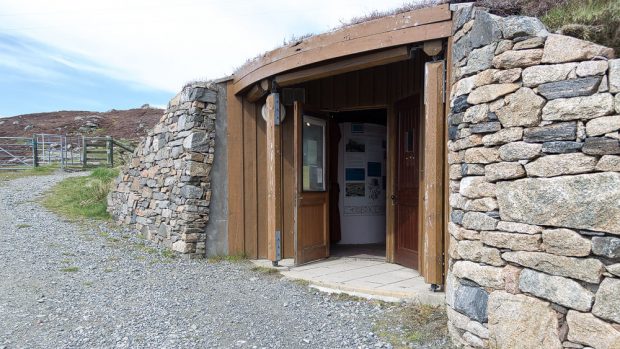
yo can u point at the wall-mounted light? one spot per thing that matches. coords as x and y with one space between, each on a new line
263 112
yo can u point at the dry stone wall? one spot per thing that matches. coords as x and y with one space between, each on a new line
534 158
165 190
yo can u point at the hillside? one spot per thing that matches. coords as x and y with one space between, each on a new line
122 124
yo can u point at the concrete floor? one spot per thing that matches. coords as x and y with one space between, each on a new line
366 277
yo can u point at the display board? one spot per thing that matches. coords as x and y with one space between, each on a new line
362 179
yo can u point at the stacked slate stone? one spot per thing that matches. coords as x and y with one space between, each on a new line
534 158
165 190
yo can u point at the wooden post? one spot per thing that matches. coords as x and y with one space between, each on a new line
110 151
35 151
84 152
274 179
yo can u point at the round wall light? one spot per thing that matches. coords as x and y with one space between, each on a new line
263 112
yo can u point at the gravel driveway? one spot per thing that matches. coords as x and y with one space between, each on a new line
77 285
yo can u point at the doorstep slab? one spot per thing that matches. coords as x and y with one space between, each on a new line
356 276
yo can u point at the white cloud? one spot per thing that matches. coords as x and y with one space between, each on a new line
163 44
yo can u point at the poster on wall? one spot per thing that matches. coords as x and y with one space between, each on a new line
364 170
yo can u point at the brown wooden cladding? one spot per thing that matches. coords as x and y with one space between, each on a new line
378 87
375 87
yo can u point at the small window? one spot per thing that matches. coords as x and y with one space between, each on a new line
313 142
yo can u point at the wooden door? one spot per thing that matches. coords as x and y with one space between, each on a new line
312 196
406 180
433 181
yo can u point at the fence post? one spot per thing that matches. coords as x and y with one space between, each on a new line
35 151
110 150
84 152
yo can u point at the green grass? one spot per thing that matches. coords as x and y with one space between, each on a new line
35 171
70 270
231 258
414 326
23 226
82 197
592 20
265 270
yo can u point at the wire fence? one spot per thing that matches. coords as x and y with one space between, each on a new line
22 153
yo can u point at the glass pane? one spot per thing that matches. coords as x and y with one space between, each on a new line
313 142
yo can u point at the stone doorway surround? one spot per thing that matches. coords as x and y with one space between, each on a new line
362 277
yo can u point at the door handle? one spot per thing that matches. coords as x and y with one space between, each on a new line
394 199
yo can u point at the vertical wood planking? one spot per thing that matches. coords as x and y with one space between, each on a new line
446 177
288 185
236 212
274 175
392 130
434 181
249 178
261 180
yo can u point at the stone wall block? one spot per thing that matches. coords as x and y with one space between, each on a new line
570 88
601 146
479 59
606 246
519 151
521 26
472 301
475 251
586 329
503 136
576 108
555 50
514 242
486 276
479 221
591 68
614 76
607 305
541 74
503 171
519 321
565 242
522 108
562 164
589 270
481 155
556 289
490 93
609 163
486 29
476 187
602 125
518 59
562 131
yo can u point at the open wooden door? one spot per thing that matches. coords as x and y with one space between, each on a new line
312 196
433 181
406 180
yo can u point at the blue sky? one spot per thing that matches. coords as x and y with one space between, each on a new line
84 55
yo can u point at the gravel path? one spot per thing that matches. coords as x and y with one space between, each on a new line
75 285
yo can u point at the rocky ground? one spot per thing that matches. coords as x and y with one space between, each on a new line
77 284
130 125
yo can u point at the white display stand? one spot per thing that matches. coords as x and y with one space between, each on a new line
361 177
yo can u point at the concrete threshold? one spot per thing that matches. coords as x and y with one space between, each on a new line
371 279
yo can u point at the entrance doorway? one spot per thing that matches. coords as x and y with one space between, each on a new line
357 182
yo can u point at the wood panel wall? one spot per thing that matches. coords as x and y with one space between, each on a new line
378 87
